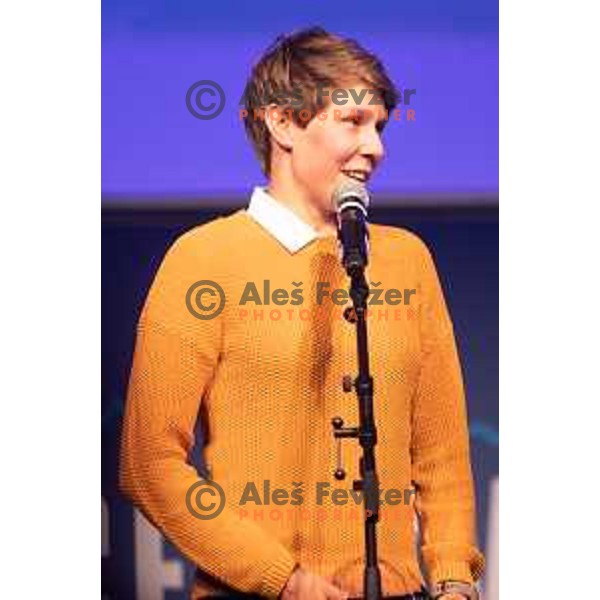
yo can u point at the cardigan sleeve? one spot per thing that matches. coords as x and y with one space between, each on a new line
441 469
173 365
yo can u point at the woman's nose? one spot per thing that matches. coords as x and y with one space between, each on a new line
372 146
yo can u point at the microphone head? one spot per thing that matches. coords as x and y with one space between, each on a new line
351 193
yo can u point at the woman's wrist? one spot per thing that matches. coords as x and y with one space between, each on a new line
288 588
442 589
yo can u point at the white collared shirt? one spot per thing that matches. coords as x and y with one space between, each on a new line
280 221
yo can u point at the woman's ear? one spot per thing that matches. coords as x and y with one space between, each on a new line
280 125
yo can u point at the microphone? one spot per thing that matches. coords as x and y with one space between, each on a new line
351 201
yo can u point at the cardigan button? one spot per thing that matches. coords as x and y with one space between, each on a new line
347 383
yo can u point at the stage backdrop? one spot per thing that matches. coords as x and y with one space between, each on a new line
154 51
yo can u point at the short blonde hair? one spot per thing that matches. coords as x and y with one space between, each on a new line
290 72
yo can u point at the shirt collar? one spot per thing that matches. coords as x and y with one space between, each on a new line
281 222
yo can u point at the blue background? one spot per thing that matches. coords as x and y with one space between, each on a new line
152 52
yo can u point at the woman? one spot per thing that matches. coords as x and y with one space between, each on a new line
234 335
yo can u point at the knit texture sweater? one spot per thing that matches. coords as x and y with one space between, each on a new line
263 378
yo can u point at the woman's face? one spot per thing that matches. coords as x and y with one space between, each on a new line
343 143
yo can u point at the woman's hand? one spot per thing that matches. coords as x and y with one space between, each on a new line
303 585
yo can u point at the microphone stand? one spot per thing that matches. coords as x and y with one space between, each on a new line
354 261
